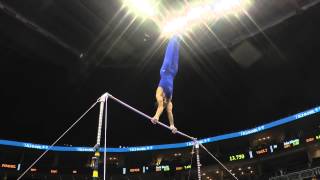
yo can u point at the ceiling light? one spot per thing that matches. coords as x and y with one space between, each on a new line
142 8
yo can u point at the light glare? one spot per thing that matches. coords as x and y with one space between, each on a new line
175 22
223 7
196 14
143 8
175 26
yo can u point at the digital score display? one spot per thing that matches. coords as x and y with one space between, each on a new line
9 166
237 157
180 168
54 171
134 170
292 143
162 168
310 139
262 151
187 167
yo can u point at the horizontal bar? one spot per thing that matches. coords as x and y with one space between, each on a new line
179 132
148 117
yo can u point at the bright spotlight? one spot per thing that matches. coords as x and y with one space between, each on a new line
184 23
142 8
196 13
175 26
201 13
224 7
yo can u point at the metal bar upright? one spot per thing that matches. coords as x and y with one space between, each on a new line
198 160
95 159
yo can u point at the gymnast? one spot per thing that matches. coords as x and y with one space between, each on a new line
164 90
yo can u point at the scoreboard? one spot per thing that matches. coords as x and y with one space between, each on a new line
236 157
291 143
269 149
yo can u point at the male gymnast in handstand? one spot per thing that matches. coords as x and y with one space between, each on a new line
164 90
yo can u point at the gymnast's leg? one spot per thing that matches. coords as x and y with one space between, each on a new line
160 101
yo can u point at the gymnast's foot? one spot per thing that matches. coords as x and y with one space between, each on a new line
155 120
173 129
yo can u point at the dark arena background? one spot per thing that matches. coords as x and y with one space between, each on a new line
79 79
